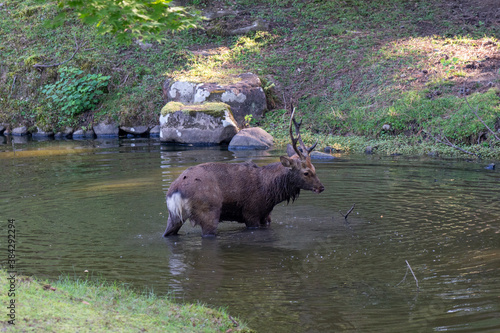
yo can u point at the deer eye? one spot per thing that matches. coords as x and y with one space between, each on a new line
306 173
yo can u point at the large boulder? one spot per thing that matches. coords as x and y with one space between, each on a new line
245 96
206 124
251 138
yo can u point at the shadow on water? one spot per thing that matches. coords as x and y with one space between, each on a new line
99 206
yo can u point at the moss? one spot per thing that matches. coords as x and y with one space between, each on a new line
28 11
32 60
214 109
208 73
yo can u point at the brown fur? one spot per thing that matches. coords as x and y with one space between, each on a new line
243 192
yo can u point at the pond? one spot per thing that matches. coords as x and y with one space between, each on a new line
99 206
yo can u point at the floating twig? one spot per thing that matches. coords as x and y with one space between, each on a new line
411 270
349 212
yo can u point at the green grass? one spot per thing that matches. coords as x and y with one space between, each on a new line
93 305
350 66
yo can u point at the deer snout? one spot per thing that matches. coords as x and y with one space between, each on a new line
319 189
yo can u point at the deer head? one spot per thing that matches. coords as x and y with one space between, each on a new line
299 163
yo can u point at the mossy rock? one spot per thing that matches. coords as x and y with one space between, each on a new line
214 109
245 97
204 124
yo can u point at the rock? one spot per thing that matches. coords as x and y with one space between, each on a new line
2 129
369 150
81 134
251 138
329 150
20 131
136 130
41 133
155 131
208 123
490 166
258 25
386 127
106 130
65 133
316 155
143 46
246 96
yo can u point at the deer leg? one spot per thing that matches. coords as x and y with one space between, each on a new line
252 223
266 221
209 223
173 226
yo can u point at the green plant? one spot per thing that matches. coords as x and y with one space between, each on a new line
248 120
74 92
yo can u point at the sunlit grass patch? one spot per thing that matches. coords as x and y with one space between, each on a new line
421 60
84 305
221 64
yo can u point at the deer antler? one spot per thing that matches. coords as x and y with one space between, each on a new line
305 150
298 138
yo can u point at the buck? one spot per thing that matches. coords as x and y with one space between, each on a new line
243 192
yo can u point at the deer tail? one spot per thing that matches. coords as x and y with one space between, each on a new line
178 207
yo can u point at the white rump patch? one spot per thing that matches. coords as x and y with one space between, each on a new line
178 207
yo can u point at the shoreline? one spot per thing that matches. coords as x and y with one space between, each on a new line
335 146
99 305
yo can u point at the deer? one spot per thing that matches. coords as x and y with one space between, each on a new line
209 193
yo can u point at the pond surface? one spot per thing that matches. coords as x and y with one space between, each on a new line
100 206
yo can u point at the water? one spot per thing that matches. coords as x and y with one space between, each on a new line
99 206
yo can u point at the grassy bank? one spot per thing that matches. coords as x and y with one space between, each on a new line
84 306
421 68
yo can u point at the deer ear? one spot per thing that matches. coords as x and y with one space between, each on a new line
287 162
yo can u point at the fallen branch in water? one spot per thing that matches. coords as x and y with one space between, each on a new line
411 270
349 212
